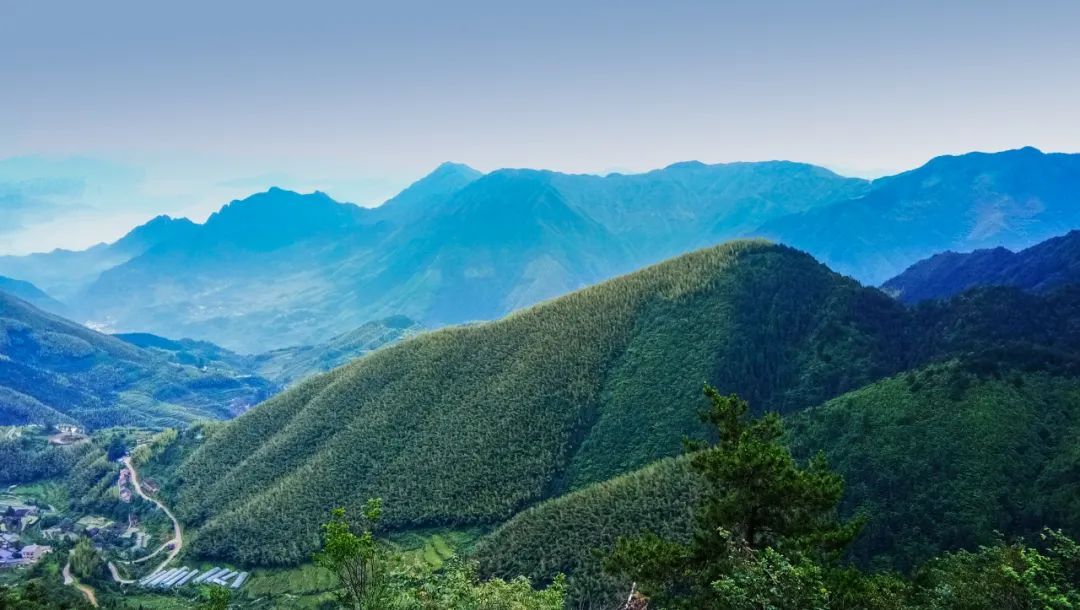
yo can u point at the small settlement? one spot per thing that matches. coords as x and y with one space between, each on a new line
13 521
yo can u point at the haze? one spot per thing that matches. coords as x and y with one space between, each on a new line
114 112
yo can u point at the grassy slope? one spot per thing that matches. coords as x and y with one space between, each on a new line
940 459
471 424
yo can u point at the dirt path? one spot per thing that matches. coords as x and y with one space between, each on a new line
178 532
116 575
71 581
151 555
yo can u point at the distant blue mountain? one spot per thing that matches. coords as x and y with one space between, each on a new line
63 272
32 294
281 268
1012 199
424 195
1040 268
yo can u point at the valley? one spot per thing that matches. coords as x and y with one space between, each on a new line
481 305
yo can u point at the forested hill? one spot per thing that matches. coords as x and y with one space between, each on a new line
52 370
938 458
470 424
1041 267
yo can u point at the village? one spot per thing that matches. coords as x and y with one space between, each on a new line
15 519
139 540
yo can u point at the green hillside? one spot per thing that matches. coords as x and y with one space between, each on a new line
943 457
572 533
939 459
53 370
471 424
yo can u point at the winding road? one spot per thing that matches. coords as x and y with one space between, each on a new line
178 532
177 543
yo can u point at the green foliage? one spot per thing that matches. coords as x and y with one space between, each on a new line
759 506
931 472
86 562
117 448
469 425
40 594
361 563
942 458
457 587
214 597
55 371
31 459
571 533
372 576
766 579
1006 576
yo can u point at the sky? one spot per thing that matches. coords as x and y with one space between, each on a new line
114 111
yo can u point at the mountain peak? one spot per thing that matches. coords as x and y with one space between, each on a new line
159 229
685 165
430 191
448 167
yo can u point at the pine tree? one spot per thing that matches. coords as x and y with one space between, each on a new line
762 513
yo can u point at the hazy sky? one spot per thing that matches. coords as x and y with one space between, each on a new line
115 110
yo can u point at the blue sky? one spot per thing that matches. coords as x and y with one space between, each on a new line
115 111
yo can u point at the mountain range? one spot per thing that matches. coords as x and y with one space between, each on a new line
1011 199
469 425
1041 268
280 268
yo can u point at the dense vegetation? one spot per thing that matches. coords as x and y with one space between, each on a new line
370 575
942 457
55 371
1040 268
30 459
573 533
938 459
766 534
471 424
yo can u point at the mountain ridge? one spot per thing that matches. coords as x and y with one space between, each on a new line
1041 267
1013 198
